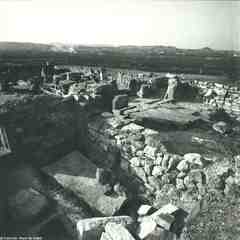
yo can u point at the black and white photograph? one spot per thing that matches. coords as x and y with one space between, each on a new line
119 120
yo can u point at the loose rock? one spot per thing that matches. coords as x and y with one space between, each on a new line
183 166
135 161
195 159
157 171
180 184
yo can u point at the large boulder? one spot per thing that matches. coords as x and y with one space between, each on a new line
26 204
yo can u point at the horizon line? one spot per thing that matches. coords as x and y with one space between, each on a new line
117 45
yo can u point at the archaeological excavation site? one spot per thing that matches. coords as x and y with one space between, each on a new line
119 160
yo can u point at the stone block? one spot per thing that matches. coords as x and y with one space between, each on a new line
181 175
165 161
183 166
166 209
180 184
135 161
154 182
159 158
195 159
173 161
144 209
118 232
146 227
150 151
157 171
140 173
165 221
148 166
196 176
132 127
137 145
93 227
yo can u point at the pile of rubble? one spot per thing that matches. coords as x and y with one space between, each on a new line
164 223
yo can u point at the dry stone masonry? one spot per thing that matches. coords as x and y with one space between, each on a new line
225 96
141 154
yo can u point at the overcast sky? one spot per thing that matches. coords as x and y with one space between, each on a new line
184 24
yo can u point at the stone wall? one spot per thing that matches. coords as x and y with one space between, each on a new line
141 154
231 104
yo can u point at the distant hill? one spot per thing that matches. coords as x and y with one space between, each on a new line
70 48
151 58
16 46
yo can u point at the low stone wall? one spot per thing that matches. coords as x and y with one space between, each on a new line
133 150
231 103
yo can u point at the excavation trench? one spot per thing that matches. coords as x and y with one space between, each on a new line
57 146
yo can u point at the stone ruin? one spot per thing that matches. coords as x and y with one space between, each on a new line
103 168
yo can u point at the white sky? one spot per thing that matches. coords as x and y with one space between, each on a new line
185 24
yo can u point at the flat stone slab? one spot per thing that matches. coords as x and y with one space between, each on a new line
163 115
78 174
